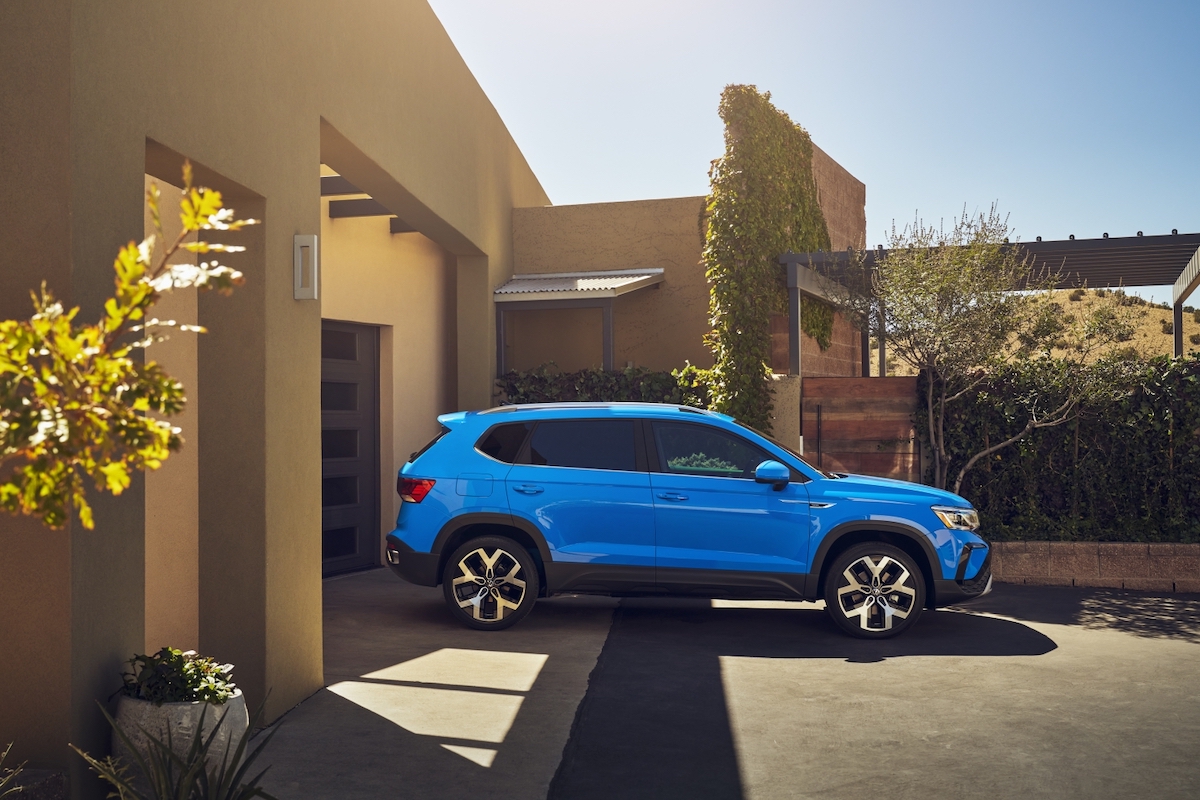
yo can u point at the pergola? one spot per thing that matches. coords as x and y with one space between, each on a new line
1170 260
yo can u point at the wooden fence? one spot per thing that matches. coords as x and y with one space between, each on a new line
862 425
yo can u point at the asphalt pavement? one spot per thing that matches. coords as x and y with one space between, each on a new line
1031 691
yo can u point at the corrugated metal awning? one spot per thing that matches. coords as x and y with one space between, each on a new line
576 285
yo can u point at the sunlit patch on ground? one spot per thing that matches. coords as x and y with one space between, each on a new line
481 709
781 604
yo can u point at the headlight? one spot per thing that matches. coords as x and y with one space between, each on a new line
965 519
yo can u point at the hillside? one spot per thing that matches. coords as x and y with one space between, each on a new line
1150 339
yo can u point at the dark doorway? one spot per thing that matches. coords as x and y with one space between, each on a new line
349 447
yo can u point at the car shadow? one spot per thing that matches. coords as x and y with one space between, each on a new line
654 722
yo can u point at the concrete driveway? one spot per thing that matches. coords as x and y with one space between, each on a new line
1030 692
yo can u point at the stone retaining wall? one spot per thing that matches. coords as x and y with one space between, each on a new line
1111 565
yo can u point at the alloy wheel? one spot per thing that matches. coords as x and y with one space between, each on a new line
490 587
878 591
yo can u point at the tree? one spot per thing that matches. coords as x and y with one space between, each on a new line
763 202
962 304
75 399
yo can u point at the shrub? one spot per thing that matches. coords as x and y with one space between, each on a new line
1194 338
177 676
1168 327
689 386
1127 469
1076 295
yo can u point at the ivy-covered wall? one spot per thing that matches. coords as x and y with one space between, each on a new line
1125 471
763 202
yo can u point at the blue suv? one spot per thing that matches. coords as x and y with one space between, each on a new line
520 502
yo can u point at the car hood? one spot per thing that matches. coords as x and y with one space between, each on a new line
867 487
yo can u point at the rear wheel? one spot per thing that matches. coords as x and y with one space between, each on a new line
874 591
490 583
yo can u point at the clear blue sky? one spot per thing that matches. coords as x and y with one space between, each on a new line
1078 118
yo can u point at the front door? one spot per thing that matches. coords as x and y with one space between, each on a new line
714 523
349 447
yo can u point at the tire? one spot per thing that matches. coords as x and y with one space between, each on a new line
490 583
874 591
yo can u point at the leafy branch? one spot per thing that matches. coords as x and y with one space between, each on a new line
75 400
961 305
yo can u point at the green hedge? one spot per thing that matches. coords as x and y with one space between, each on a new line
1125 471
546 384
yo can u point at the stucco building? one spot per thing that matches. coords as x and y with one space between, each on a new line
577 264
301 407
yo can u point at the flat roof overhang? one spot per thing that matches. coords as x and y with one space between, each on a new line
543 287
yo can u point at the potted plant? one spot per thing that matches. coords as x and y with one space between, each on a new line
173 695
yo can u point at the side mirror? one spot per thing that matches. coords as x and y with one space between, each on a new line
774 473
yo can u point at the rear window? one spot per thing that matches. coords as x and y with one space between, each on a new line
503 442
432 442
584 443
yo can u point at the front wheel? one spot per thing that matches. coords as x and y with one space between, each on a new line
874 591
490 583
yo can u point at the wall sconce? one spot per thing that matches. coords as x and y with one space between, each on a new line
305 268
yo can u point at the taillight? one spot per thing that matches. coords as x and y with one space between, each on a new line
413 490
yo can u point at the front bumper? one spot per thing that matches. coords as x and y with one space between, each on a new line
959 591
414 567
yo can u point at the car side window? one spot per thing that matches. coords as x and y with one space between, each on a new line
700 450
503 442
584 443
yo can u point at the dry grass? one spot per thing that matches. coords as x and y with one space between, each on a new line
1149 338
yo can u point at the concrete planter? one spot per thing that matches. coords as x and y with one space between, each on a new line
181 720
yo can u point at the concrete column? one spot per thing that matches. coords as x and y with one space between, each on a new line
35 564
476 368
73 599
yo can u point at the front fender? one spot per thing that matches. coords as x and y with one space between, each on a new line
821 556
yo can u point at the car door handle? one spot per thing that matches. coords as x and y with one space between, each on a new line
528 488
676 496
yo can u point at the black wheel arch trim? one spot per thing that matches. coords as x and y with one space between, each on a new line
856 526
456 524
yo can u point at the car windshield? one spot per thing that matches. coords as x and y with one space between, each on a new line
784 447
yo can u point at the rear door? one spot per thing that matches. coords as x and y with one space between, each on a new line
711 515
583 483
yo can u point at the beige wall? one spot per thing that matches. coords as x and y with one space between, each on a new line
577 343
843 201
375 89
654 328
404 283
